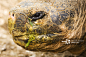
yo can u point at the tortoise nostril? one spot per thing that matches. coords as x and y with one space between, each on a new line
38 15
13 15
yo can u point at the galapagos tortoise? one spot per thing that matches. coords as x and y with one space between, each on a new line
46 25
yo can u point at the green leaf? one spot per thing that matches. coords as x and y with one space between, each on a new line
30 22
31 38
27 44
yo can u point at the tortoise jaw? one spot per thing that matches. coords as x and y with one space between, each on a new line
27 36
23 40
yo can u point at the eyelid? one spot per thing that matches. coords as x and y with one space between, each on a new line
40 16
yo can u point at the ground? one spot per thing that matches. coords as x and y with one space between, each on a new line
7 47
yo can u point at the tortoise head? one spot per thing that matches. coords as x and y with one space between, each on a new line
42 26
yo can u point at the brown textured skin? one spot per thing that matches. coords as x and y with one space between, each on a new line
63 19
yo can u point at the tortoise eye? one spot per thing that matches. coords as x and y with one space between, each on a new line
38 15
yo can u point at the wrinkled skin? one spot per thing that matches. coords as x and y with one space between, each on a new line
44 25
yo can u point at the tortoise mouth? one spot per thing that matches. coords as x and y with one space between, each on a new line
44 36
35 40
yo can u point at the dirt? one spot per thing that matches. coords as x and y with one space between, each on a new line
7 47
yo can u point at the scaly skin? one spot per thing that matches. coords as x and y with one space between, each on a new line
42 26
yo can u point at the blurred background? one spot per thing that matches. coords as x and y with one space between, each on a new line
7 47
